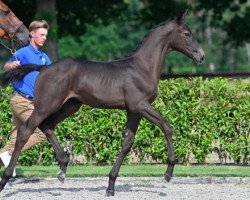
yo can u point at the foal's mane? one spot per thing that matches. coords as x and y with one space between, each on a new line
146 36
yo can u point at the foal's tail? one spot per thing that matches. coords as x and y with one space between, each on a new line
17 74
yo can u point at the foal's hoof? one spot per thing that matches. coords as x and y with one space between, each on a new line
61 176
110 193
167 177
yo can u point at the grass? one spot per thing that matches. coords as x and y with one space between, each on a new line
135 170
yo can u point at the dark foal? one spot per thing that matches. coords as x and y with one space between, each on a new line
12 29
129 83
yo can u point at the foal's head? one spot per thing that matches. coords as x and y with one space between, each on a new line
183 40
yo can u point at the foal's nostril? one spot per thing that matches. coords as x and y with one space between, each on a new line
202 58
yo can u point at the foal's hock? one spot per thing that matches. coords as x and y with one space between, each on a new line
129 83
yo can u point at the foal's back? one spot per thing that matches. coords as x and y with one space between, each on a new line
99 84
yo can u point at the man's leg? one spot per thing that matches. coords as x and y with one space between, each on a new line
16 123
22 109
5 152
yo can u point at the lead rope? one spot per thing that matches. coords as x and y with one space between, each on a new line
12 50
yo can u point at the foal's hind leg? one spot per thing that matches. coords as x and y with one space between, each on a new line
61 157
70 107
23 135
149 113
131 128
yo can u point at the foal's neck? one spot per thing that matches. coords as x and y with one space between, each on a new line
153 50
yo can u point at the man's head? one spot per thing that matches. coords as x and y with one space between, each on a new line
38 33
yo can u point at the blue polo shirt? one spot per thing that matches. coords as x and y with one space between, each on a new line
29 55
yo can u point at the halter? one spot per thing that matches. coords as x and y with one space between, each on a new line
11 34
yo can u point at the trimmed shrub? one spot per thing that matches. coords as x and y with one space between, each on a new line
208 116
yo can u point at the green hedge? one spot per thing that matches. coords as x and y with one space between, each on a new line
208 116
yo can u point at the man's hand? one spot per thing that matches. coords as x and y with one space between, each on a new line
11 65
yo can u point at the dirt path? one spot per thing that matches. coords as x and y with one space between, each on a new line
128 188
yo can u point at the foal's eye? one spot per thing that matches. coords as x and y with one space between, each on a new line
187 34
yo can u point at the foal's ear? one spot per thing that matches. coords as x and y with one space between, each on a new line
181 16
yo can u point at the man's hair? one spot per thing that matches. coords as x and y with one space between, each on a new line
38 24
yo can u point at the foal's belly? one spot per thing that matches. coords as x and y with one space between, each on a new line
102 98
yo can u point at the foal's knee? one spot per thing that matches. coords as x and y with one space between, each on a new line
168 128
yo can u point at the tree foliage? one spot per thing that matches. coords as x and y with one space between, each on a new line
231 15
72 15
154 12
219 7
105 30
238 28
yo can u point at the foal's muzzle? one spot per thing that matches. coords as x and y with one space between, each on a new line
198 56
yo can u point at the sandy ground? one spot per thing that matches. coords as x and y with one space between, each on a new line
128 188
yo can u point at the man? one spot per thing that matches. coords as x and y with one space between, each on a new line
22 99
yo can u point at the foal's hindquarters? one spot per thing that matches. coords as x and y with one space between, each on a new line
46 124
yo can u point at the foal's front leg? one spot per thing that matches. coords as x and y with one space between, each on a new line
153 116
131 128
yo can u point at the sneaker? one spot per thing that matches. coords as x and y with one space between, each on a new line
5 157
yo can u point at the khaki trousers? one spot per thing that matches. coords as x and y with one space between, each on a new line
22 109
